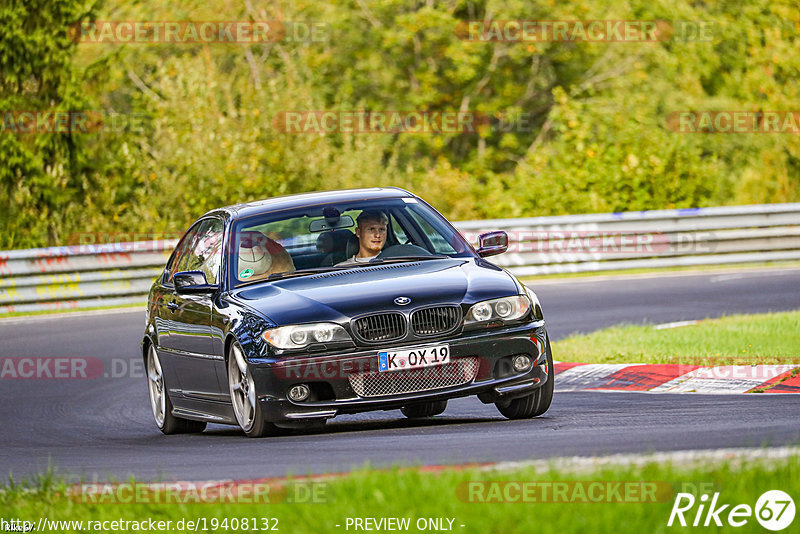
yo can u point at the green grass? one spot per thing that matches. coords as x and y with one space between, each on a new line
414 494
736 339
660 270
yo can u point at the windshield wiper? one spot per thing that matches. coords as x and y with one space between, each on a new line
304 272
395 259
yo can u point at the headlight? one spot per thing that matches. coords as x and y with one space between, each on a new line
506 309
298 336
481 312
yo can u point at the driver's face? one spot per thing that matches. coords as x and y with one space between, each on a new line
372 237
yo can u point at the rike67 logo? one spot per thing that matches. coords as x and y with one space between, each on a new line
774 510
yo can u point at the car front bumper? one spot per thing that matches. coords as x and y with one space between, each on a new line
331 377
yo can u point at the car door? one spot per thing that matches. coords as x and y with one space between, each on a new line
164 320
192 356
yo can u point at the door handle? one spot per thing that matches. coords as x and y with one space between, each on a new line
172 306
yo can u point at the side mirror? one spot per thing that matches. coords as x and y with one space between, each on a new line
492 243
192 282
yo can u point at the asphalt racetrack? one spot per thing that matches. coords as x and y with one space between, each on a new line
103 428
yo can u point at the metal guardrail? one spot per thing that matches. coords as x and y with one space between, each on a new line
121 273
80 276
646 239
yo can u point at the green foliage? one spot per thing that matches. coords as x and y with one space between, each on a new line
44 179
474 497
595 138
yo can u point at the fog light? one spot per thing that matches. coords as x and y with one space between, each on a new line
522 362
299 393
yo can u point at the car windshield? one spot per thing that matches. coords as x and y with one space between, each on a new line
339 236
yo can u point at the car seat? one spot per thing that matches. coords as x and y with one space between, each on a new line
337 245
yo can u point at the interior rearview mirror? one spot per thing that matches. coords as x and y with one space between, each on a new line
323 225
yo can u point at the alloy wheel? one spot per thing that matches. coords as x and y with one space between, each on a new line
155 382
242 387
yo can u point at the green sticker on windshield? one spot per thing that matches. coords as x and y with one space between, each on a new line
247 273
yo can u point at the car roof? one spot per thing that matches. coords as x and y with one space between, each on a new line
310 199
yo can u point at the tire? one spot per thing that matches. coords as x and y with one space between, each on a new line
244 400
160 402
536 403
424 409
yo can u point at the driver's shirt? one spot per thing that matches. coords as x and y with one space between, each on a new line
355 260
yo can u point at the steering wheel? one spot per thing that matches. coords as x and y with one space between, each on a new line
396 251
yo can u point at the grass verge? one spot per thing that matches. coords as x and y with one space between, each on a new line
770 338
666 270
615 499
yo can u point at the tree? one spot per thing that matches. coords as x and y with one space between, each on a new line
43 175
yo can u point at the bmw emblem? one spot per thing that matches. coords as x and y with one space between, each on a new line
402 301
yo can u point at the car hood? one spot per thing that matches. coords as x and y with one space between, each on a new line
340 295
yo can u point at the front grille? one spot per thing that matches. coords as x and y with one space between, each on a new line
378 384
432 321
380 327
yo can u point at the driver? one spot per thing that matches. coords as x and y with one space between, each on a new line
371 232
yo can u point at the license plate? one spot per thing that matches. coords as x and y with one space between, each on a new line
414 358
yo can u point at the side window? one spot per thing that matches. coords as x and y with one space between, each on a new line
180 252
205 253
402 238
440 246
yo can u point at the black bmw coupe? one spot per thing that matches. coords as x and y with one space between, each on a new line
292 310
